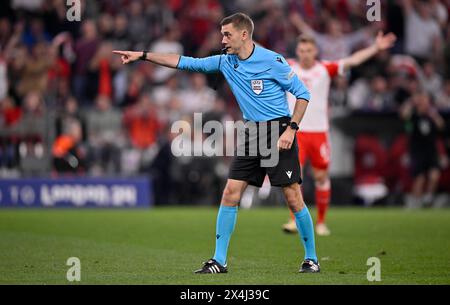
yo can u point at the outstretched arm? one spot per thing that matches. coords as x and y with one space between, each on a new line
382 42
167 60
204 65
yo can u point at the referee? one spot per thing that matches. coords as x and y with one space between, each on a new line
259 79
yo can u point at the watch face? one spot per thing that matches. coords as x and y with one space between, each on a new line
294 125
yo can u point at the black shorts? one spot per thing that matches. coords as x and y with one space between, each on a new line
253 168
423 161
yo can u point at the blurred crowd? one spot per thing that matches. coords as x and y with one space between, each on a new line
68 105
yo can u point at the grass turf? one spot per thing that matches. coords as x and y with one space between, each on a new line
164 246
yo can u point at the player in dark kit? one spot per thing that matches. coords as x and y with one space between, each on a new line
423 125
259 78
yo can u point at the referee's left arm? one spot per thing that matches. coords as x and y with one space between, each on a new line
299 110
289 81
287 138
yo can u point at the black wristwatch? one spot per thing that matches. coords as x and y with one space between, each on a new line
144 55
294 125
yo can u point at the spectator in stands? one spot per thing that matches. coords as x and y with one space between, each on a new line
141 123
120 35
168 43
201 16
143 127
67 151
35 33
273 28
85 49
379 98
198 97
138 32
106 26
443 97
338 94
59 72
5 32
424 124
34 76
371 96
167 100
16 56
69 113
135 86
446 57
32 124
32 133
160 15
103 65
10 113
439 12
105 135
211 45
334 44
429 79
403 80
423 38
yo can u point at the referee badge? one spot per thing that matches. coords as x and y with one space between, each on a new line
257 86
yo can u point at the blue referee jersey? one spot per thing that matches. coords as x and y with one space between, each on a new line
259 82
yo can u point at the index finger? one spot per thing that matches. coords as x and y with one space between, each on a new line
119 52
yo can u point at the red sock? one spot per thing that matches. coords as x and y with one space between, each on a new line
322 203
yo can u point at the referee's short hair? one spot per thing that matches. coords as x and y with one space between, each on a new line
240 21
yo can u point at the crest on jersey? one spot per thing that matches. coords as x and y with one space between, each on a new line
257 86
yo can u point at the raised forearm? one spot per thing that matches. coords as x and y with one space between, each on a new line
361 56
300 24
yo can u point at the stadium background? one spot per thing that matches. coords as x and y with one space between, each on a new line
57 76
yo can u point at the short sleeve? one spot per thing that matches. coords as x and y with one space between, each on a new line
334 68
288 79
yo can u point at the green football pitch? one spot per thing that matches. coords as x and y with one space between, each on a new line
165 245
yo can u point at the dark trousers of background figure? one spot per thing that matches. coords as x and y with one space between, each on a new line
106 158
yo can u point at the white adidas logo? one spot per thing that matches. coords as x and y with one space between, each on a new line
289 174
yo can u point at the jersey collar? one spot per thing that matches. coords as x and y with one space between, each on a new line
253 51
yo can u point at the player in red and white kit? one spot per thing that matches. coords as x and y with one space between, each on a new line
314 145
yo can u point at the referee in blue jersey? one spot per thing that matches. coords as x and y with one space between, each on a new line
259 79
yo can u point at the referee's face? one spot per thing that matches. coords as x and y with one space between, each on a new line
233 39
